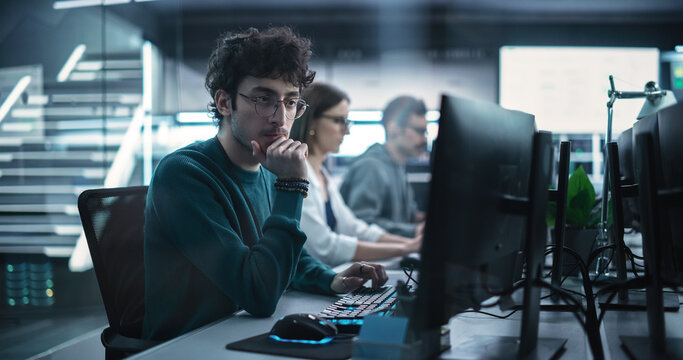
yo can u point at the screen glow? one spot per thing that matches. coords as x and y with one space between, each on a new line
566 87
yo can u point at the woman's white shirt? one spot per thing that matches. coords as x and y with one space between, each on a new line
332 246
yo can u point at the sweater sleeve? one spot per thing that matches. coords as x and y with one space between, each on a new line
366 201
199 217
312 275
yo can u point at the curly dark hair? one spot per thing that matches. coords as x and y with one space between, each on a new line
274 53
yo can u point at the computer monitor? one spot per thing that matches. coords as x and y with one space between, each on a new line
488 197
630 205
664 129
659 172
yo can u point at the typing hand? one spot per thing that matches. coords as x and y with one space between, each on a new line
414 244
285 158
419 229
357 274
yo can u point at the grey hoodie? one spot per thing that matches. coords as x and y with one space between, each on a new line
377 191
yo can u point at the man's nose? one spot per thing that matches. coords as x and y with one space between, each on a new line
279 117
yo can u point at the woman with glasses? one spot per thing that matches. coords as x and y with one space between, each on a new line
334 234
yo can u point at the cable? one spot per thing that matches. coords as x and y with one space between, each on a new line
613 289
569 273
575 292
552 248
494 315
568 299
597 252
633 268
563 293
630 252
590 327
409 275
518 285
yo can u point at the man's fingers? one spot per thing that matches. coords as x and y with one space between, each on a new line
359 273
382 275
354 283
304 148
369 272
290 146
257 152
275 146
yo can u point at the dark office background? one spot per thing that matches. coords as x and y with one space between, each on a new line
465 33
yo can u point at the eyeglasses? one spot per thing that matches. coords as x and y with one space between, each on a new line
267 106
418 129
340 120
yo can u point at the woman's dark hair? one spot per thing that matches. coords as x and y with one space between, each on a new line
319 97
274 53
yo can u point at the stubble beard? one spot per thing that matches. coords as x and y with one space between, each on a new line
237 135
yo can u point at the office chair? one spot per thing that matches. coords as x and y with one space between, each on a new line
113 221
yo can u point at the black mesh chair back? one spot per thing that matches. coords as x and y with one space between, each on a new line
113 221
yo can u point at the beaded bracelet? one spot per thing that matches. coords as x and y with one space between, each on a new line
292 185
286 180
304 192
298 185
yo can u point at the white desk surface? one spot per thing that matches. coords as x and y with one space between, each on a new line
209 342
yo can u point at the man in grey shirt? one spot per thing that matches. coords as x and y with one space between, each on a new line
375 186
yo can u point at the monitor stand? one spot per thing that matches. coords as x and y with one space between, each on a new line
638 347
516 300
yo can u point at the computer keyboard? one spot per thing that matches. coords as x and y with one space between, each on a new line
347 313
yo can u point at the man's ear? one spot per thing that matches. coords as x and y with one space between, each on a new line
223 103
393 130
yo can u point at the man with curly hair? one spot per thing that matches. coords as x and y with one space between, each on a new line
222 219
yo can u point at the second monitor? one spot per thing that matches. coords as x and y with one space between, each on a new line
488 197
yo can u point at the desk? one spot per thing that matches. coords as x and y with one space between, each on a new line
209 342
634 323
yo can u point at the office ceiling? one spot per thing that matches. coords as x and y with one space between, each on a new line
530 6
375 26
519 5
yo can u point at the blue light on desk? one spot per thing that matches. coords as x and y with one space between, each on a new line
315 342
347 321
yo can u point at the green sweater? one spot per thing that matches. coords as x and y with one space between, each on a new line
204 258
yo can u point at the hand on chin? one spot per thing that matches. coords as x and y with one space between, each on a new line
266 141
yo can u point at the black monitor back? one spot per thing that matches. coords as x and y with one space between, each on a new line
482 155
625 140
659 172
666 130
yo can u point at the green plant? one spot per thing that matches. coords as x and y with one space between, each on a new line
583 209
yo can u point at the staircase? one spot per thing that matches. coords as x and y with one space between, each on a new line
58 139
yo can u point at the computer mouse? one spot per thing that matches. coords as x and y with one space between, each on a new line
303 328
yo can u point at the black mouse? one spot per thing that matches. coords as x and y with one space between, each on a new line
303 328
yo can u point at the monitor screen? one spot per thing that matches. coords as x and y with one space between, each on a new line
566 87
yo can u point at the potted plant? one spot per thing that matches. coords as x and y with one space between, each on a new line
582 218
